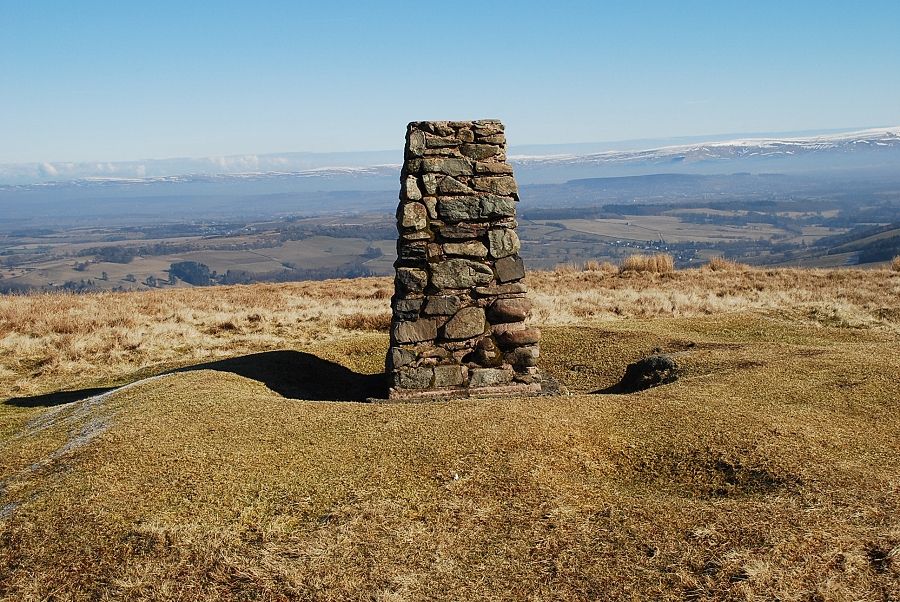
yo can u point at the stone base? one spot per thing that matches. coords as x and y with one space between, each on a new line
546 387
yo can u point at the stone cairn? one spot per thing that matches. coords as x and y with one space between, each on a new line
459 305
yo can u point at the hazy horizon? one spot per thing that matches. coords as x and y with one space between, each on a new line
301 161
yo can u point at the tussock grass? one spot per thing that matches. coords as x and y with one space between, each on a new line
660 263
895 263
593 265
720 264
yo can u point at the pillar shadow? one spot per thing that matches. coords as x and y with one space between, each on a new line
291 374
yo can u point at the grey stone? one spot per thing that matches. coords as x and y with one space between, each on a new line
503 242
510 268
500 289
416 235
493 167
430 181
488 127
450 376
465 135
475 208
414 215
442 306
399 357
479 152
493 139
407 309
489 377
453 186
471 248
431 205
459 273
415 378
416 143
410 251
467 323
462 231
412 280
509 310
523 357
411 189
433 251
450 166
440 141
415 331
504 185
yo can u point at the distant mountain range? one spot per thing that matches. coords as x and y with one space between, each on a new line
873 150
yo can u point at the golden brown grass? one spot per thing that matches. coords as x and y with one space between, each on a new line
593 265
720 264
56 341
661 263
895 263
769 471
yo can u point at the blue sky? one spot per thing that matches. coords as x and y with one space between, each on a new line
109 81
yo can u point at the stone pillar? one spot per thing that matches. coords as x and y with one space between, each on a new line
459 306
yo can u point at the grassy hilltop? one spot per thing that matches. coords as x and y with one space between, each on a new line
239 465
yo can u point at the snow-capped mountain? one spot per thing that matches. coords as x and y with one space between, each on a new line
870 149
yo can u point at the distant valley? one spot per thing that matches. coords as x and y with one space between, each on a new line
764 201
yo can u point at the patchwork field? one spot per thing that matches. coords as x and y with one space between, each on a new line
243 463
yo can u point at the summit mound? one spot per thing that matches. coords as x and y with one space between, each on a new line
243 463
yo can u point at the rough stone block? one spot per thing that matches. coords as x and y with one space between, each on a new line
450 166
489 377
450 185
516 334
463 231
458 209
415 378
459 273
467 323
442 306
450 376
509 310
505 185
479 152
411 280
503 242
510 268
415 331
414 215
415 145
400 357
471 248
493 167
411 189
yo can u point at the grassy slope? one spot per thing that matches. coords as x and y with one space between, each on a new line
772 469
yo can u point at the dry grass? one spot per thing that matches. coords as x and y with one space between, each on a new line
600 266
661 263
895 263
769 471
720 264
50 342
